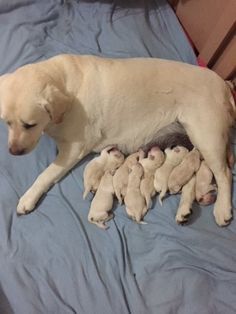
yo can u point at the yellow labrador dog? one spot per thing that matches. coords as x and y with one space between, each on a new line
86 103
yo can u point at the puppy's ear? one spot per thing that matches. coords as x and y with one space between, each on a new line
141 154
55 102
112 172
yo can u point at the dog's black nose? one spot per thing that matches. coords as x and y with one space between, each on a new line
17 152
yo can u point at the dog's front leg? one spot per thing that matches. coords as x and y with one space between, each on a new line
68 156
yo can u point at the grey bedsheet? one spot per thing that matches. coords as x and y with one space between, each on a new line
53 260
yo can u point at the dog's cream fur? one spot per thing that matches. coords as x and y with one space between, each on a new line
86 103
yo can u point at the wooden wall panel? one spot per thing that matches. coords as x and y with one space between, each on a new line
211 25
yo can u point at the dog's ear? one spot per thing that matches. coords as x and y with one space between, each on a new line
55 102
2 79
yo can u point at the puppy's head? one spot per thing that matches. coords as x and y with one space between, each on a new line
176 154
115 158
137 170
29 101
156 156
134 158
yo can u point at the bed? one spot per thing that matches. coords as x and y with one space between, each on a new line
53 260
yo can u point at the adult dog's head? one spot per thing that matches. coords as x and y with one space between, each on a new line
29 100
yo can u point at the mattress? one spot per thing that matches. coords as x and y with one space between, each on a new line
53 260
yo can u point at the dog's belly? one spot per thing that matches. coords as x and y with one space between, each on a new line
168 136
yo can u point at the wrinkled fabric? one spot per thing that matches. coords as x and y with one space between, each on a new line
53 260
32 30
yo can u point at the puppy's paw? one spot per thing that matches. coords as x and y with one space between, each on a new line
100 220
223 217
174 189
182 215
26 205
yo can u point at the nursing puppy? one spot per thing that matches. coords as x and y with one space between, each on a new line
153 161
199 187
182 173
110 159
135 204
101 205
120 178
205 190
186 201
86 102
174 157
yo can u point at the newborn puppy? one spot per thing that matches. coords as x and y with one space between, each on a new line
101 205
135 203
173 158
153 161
120 178
186 201
182 173
110 159
205 190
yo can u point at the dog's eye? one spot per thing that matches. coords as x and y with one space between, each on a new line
28 126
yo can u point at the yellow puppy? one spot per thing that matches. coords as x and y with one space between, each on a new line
120 179
204 188
101 205
184 171
153 161
186 201
110 159
173 158
136 207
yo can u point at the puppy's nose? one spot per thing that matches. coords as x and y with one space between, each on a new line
16 151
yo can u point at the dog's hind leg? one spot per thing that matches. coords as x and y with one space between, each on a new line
211 138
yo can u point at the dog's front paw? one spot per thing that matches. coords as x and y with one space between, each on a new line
26 205
223 216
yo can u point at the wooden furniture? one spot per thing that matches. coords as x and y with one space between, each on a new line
211 25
